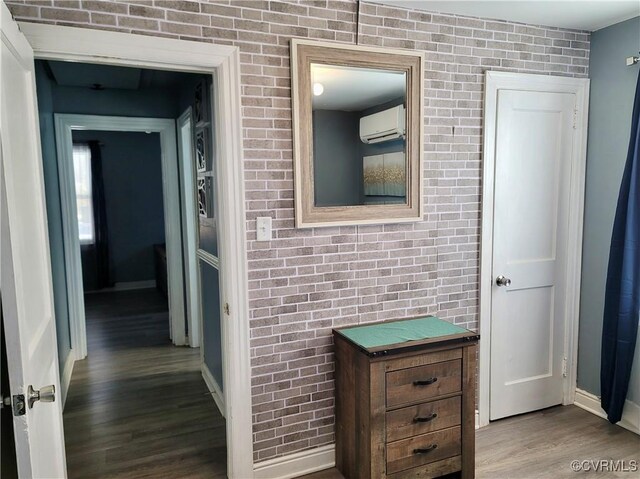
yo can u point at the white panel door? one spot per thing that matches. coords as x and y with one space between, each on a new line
25 268
534 138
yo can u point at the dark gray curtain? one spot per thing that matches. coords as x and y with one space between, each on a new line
103 279
622 295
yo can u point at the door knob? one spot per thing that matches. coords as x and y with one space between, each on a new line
45 394
503 281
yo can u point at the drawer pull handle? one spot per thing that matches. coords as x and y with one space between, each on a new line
425 418
424 450
425 382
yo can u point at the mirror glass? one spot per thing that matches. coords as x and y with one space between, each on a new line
359 135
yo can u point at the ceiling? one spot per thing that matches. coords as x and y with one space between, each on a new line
88 75
588 15
355 89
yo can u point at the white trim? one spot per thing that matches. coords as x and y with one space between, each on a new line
630 414
55 42
189 228
125 286
64 126
214 388
71 243
236 361
575 236
495 81
298 464
65 377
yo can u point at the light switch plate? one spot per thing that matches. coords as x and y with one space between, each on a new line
263 228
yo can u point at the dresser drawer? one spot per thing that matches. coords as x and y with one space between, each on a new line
387 426
421 383
424 449
423 418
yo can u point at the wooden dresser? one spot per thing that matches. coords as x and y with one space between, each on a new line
405 399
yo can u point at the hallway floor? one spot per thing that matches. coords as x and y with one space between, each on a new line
138 406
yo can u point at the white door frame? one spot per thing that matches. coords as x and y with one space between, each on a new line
495 81
65 124
54 42
189 225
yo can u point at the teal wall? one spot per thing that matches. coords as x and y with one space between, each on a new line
338 155
150 102
55 99
132 175
167 102
211 332
337 166
54 211
611 103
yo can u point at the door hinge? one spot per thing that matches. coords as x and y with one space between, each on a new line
575 118
226 309
564 367
16 403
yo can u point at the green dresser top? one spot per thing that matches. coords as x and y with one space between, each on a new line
380 335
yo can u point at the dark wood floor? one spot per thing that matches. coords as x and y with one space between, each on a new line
138 406
543 444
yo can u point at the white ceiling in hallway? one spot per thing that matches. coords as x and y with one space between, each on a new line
588 15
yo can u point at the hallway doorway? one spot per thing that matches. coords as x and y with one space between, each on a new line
220 63
144 389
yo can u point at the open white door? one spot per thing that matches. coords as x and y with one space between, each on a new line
189 225
25 268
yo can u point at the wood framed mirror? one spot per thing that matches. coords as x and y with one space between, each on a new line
358 134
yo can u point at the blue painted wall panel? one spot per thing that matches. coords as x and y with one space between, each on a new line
132 176
54 99
611 104
54 212
211 332
168 102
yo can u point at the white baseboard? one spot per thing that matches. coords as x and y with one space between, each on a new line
477 419
298 464
127 286
65 377
214 388
134 285
630 414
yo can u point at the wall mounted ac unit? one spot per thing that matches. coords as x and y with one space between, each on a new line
383 126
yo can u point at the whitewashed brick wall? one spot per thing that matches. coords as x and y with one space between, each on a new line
306 282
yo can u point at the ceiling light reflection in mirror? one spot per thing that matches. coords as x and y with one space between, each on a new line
354 89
